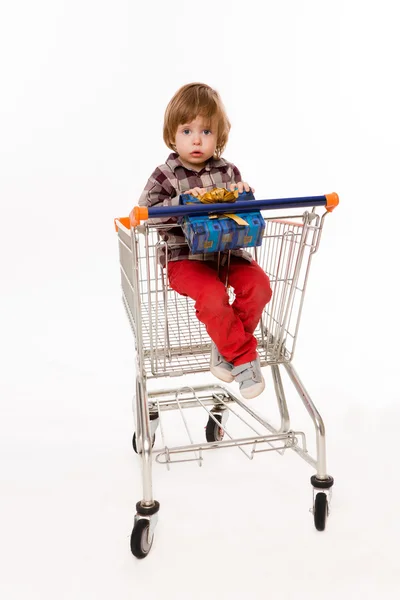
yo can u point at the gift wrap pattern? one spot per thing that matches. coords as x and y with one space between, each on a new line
218 233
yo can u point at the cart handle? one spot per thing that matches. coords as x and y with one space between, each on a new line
142 213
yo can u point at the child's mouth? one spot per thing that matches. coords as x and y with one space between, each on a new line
196 153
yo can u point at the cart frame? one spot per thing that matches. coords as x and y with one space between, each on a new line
170 342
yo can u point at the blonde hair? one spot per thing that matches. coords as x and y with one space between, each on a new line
190 101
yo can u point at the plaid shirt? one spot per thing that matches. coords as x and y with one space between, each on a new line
171 179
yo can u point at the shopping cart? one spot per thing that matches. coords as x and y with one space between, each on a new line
171 342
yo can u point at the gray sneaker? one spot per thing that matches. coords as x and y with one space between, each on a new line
219 366
250 379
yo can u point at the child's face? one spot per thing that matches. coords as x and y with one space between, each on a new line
196 142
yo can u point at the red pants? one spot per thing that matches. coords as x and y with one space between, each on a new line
231 327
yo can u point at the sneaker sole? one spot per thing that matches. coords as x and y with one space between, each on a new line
222 374
254 391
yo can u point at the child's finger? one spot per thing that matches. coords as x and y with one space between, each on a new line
195 191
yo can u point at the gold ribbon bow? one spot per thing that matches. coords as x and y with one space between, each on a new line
218 195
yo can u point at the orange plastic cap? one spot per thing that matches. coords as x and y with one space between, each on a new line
124 221
332 200
139 213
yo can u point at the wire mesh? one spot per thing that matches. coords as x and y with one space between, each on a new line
174 342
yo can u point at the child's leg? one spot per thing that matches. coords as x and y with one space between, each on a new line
199 280
252 291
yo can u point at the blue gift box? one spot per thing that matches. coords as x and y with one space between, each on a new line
209 234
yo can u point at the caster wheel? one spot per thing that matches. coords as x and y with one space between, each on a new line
320 511
140 543
214 432
134 442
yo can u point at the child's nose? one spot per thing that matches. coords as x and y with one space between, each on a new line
197 139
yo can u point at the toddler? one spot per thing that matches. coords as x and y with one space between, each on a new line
196 129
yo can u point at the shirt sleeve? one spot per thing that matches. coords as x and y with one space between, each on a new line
159 191
236 175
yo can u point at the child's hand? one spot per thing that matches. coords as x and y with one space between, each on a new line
240 186
196 191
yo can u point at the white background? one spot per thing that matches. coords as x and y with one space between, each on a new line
311 88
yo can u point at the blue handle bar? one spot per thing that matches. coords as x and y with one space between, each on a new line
231 207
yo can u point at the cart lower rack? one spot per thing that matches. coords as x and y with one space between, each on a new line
171 342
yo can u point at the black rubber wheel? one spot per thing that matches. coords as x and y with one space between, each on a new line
134 442
320 511
214 433
140 546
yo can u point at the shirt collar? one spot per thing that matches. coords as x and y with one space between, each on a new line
173 161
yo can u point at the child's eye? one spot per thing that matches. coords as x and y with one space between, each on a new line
186 131
207 131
